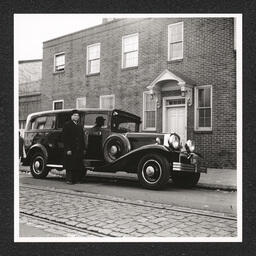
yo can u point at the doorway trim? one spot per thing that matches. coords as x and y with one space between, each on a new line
179 105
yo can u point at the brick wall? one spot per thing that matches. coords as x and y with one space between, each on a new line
209 58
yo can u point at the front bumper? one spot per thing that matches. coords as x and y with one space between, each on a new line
189 163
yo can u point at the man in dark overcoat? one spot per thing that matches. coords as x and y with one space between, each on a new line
74 146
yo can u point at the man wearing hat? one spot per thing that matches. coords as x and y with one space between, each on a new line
73 137
96 129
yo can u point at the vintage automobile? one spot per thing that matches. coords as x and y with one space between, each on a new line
117 146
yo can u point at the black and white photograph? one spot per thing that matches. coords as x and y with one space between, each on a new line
128 127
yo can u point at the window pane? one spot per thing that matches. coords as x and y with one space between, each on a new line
60 60
131 59
150 103
50 122
176 33
81 103
207 97
94 66
131 43
94 52
176 50
58 105
150 119
90 119
107 102
204 117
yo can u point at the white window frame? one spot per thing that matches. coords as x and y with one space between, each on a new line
182 40
143 114
87 58
107 96
196 124
123 38
57 101
77 99
54 66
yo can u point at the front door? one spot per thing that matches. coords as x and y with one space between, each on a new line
174 119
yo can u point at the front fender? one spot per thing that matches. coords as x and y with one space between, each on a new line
129 161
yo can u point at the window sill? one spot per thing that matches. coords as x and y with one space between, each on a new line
203 131
59 72
149 130
174 61
93 74
129 68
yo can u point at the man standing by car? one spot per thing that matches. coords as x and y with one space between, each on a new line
73 137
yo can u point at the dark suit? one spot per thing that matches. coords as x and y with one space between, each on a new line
73 137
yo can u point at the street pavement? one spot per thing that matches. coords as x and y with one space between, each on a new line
115 217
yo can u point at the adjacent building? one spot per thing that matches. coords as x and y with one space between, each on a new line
30 78
178 74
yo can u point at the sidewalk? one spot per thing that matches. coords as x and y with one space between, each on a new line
224 179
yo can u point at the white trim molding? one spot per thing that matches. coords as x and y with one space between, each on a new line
54 62
182 40
196 125
87 58
143 114
123 38
108 96
57 101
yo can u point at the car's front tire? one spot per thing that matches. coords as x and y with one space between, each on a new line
38 166
185 179
153 171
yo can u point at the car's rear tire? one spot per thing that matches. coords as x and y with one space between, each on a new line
38 167
115 146
185 179
153 171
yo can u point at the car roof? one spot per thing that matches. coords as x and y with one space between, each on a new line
99 110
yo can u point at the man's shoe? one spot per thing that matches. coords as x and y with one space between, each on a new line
69 182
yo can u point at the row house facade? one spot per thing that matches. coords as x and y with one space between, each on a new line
178 74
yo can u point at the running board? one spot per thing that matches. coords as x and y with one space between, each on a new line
55 166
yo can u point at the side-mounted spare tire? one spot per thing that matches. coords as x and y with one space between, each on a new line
115 146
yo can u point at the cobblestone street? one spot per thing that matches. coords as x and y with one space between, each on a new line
116 217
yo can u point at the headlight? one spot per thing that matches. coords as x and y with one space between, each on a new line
190 146
174 141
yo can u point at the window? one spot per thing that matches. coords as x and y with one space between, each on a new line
62 118
59 62
90 119
130 46
203 105
107 101
175 41
58 104
81 102
93 58
149 112
43 122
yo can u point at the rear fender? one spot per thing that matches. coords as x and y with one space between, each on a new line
36 148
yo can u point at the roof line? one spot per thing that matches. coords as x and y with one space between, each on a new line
79 31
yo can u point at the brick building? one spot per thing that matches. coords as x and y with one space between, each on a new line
30 78
178 74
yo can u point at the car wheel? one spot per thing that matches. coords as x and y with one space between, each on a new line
38 166
153 171
185 180
115 146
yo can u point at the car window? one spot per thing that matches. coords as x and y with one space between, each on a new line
43 122
126 127
90 119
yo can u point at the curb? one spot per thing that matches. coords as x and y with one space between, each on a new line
134 178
